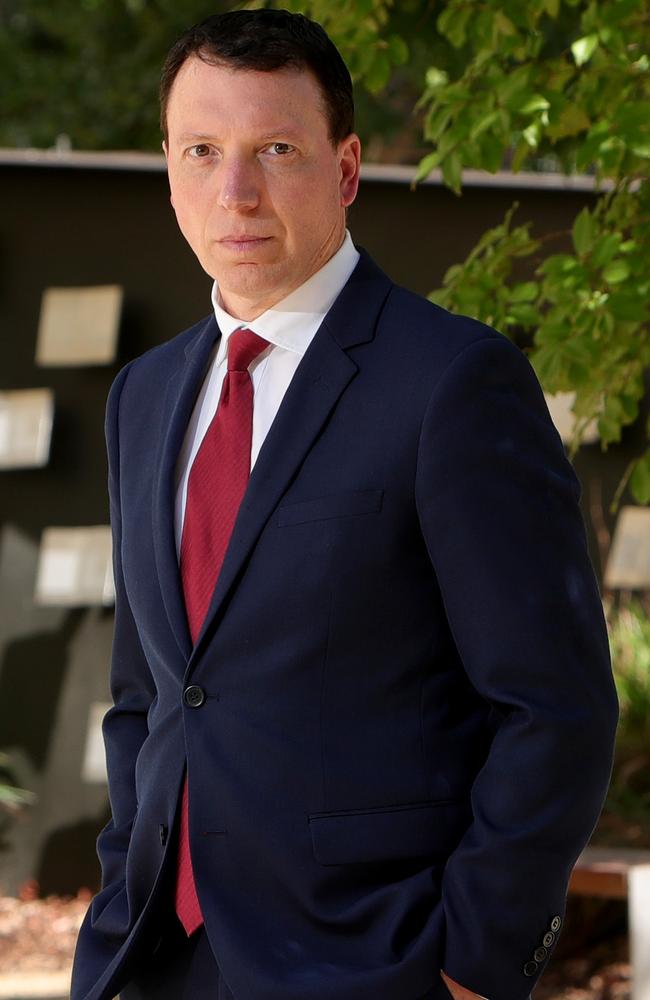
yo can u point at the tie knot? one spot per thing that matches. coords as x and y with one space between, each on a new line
243 347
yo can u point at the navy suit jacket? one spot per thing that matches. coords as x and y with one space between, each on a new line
408 720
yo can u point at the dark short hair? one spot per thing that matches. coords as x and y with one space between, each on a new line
267 39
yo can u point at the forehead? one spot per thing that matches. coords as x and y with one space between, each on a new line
205 95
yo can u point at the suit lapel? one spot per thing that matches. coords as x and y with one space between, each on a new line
182 390
321 377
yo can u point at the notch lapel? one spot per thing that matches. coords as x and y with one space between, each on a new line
321 377
182 390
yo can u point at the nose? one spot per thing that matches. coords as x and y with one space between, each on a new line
239 188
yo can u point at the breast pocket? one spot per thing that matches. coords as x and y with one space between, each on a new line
347 503
420 829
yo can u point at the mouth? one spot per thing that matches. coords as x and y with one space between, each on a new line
244 242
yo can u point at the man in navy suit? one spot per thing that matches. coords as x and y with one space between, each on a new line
363 711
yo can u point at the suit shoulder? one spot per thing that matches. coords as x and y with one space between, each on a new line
424 326
160 361
166 354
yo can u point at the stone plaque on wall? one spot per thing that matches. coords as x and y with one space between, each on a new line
79 326
25 428
628 565
559 405
93 768
75 568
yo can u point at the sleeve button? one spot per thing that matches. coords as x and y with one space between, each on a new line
540 954
556 923
548 939
530 968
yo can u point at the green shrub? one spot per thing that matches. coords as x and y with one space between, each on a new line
626 815
11 798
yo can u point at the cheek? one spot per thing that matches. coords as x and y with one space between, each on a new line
308 206
188 206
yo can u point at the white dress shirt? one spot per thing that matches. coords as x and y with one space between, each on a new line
289 326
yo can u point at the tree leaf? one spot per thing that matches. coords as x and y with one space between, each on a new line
522 152
436 78
583 231
583 48
532 103
452 23
525 314
628 308
616 271
531 135
483 123
452 170
398 50
604 248
503 24
571 121
377 76
640 479
491 147
524 292
425 166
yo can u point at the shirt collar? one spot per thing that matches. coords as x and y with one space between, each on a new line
292 322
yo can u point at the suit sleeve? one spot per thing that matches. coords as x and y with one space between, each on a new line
498 502
125 724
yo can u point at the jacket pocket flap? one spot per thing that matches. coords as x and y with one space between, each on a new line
333 505
428 829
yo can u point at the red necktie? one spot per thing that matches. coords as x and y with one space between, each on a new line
216 485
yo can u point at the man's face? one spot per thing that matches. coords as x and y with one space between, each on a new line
258 188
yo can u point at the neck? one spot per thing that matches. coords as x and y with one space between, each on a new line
246 311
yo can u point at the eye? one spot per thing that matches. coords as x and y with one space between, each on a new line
281 148
199 151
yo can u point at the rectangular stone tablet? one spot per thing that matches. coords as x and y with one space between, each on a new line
628 565
75 568
25 428
79 326
93 768
560 407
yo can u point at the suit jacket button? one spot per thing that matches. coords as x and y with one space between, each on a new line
530 968
556 923
194 696
540 954
548 939
162 831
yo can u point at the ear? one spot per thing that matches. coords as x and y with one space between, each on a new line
349 155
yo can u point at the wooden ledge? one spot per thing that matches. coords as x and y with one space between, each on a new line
604 871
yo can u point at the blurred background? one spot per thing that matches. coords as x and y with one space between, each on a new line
506 149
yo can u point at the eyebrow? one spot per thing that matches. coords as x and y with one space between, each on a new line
287 131
194 135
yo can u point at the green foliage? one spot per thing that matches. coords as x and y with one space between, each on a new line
370 49
11 798
588 310
568 80
629 636
479 287
87 69
561 79
627 810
